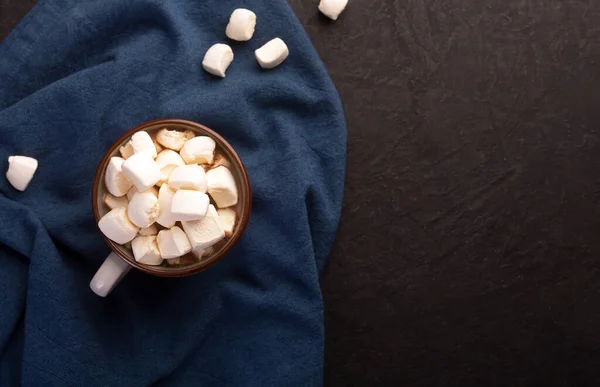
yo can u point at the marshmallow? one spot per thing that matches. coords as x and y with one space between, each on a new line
173 243
126 151
165 173
117 227
142 171
143 209
189 205
332 8
217 59
199 150
145 250
221 187
113 202
165 200
272 54
169 157
242 24
188 177
134 190
149 231
20 171
205 232
228 218
173 139
141 142
115 180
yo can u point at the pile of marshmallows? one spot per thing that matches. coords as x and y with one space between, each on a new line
137 205
241 27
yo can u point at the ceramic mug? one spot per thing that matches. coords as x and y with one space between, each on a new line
121 259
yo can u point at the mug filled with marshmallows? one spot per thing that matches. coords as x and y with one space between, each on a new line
171 198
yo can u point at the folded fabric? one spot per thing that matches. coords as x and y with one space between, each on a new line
75 75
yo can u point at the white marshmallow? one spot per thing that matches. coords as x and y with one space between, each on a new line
141 142
145 250
169 157
149 231
272 54
113 202
221 187
117 227
205 232
20 171
217 59
188 177
142 171
199 150
242 24
173 243
134 190
174 139
165 200
332 8
165 174
228 218
143 209
189 205
115 180
126 151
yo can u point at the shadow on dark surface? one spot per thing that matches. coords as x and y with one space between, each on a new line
468 249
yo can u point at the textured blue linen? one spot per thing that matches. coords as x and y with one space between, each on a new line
74 76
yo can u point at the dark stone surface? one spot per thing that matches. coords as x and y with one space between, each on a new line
469 250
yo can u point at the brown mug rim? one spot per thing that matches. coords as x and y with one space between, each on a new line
246 205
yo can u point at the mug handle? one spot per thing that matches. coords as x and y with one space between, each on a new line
109 275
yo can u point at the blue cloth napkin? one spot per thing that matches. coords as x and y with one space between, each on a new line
76 74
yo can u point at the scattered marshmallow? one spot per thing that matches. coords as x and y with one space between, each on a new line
173 139
141 142
242 24
205 232
117 227
199 150
222 187
169 157
142 171
217 59
332 8
189 205
228 218
272 54
145 250
115 180
143 209
188 177
113 202
165 200
149 231
20 171
126 151
173 243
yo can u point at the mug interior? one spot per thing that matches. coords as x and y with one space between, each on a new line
242 208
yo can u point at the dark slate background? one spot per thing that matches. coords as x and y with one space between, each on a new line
469 250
